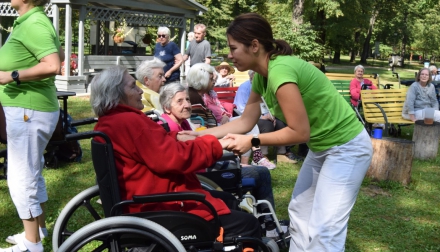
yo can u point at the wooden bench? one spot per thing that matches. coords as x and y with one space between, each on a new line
343 77
96 63
226 94
240 77
384 106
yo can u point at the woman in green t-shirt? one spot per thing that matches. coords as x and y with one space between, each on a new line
30 59
301 95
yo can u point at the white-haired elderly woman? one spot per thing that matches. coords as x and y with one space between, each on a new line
201 79
169 53
434 73
176 105
150 78
358 83
150 160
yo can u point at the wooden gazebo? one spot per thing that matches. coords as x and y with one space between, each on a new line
136 13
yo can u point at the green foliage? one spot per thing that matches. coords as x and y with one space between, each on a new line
220 14
303 39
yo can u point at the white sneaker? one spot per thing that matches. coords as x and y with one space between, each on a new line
272 233
265 162
20 244
14 238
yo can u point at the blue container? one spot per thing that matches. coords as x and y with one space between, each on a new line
377 133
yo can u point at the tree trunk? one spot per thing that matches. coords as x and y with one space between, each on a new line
392 160
298 10
355 46
426 139
405 38
337 56
366 46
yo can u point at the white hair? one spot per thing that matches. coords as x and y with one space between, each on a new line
107 89
198 76
164 30
145 69
359 66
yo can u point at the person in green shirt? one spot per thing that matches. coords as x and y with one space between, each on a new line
30 59
301 96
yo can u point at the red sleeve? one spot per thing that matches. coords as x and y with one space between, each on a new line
163 153
354 90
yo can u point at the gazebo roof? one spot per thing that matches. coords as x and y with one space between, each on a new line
186 8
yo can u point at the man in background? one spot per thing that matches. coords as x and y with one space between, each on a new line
199 49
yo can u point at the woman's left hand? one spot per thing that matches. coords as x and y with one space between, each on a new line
239 143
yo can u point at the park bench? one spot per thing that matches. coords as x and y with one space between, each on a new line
384 106
226 94
96 63
240 77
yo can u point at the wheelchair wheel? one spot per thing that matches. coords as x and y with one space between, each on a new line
122 233
271 244
79 211
208 184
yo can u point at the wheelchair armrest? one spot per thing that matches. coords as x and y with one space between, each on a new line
84 121
164 197
86 135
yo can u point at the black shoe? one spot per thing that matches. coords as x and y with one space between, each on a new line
292 156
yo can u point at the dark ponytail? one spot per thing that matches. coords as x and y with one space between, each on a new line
249 26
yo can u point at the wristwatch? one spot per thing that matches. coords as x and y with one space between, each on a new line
15 76
255 141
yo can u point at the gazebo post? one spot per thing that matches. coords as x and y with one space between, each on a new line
82 17
68 40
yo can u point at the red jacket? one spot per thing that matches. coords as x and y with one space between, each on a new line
355 90
149 160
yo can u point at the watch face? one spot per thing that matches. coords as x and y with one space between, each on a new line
255 141
14 74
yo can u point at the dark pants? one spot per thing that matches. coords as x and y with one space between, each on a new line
263 183
237 222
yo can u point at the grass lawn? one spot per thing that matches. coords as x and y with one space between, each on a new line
386 216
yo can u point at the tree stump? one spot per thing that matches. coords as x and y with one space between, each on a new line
392 160
426 137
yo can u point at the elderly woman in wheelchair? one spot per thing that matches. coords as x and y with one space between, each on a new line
149 161
175 101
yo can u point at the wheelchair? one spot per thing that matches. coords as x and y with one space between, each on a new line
111 230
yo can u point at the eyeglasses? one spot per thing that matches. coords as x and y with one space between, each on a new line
161 35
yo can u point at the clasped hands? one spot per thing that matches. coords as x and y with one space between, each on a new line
238 144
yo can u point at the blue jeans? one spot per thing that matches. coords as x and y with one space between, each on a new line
263 181
325 193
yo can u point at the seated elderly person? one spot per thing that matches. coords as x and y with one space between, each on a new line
358 83
150 78
421 94
225 77
201 91
176 104
150 160
434 74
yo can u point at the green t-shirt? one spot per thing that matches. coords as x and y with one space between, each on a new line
332 120
32 38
